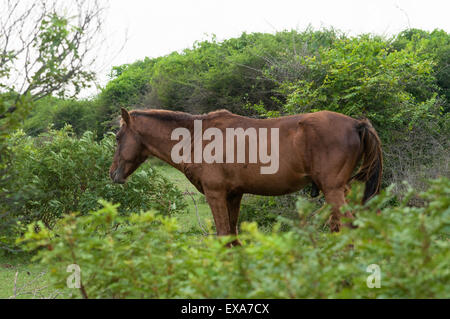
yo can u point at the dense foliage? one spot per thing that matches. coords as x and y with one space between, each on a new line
266 210
48 56
400 83
56 113
58 173
55 176
146 256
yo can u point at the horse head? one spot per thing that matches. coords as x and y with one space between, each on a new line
130 152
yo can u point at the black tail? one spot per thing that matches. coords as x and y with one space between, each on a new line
372 167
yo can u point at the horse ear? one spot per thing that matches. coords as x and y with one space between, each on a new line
126 116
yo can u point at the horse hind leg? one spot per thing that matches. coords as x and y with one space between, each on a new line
336 198
234 205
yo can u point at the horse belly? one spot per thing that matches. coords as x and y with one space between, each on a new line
274 185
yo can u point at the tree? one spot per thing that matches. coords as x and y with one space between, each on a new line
45 49
42 51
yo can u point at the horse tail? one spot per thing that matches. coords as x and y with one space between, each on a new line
372 166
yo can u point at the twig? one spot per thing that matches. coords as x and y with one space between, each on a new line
15 284
205 232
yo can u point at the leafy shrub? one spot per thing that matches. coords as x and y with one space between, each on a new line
41 116
78 114
435 44
360 76
58 173
401 84
397 90
267 210
145 255
209 76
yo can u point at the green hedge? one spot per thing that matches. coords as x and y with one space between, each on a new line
146 256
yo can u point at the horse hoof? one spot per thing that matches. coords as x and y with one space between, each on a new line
234 243
314 190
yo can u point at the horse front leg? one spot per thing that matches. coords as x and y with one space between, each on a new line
218 203
234 205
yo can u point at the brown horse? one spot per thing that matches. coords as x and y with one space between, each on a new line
322 149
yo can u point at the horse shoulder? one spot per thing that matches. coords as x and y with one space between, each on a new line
192 173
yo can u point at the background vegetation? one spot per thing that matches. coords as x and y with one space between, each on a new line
401 84
57 198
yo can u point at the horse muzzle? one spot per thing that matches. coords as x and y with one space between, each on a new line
117 176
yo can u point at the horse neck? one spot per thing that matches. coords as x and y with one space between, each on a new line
156 135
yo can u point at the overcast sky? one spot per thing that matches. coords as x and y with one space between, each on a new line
158 27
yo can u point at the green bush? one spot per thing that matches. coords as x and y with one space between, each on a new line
401 84
80 114
360 76
41 116
146 256
58 173
267 210
209 76
435 44
397 90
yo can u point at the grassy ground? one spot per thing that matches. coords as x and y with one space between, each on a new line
21 278
196 201
31 277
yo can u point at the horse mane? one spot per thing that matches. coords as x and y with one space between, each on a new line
166 115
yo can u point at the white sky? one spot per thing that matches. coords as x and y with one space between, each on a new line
158 27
